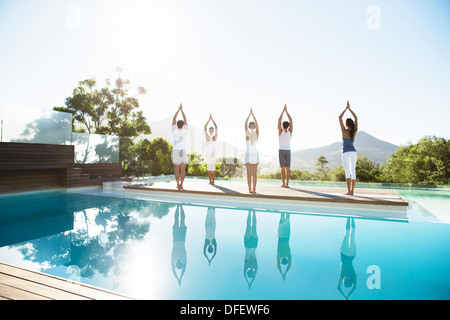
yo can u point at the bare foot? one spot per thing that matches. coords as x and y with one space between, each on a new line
348 193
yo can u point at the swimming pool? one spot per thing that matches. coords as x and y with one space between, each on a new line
166 249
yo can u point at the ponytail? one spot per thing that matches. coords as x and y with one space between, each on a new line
351 125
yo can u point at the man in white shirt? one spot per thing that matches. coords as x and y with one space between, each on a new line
179 155
284 154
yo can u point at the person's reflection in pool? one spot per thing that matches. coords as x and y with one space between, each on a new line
250 244
210 247
284 258
348 251
178 257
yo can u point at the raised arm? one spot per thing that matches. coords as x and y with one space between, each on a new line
279 120
246 120
206 129
256 125
184 116
215 127
340 117
355 117
174 121
290 120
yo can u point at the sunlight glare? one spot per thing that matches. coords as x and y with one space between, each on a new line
136 36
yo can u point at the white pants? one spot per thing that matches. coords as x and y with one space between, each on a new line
349 161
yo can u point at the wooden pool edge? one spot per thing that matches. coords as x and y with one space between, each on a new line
18 283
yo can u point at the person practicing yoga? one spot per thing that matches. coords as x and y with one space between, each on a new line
347 276
349 155
210 149
250 243
179 155
284 153
251 153
178 257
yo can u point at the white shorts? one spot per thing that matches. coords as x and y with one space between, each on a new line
252 157
210 158
211 166
179 156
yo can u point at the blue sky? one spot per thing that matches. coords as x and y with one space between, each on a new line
389 58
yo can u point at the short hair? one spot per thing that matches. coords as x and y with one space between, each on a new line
211 128
180 124
286 124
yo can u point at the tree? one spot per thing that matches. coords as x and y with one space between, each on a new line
109 110
157 154
322 169
424 162
338 173
196 165
366 170
230 167
88 106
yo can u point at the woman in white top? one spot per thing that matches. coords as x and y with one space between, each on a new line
210 149
284 153
251 154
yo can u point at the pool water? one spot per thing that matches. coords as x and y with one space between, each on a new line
151 249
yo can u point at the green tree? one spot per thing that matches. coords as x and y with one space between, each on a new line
156 155
88 106
338 173
196 165
109 110
367 170
322 168
426 162
230 167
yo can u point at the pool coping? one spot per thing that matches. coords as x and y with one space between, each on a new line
334 195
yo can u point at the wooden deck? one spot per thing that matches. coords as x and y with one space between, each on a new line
330 195
21 284
34 166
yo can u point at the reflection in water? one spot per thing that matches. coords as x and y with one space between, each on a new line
284 258
348 252
178 257
95 234
250 244
210 246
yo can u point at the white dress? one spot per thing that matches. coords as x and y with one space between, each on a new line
251 153
210 155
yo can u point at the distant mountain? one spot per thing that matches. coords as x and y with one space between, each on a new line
367 145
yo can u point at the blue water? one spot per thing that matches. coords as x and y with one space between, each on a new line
156 249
